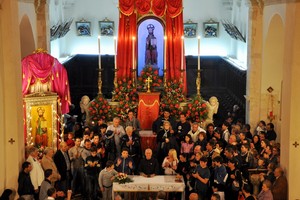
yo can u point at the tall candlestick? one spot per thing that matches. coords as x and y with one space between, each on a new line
165 53
182 56
199 53
115 49
133 51
99 53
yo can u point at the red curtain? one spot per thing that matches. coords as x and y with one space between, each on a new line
45 68
172 9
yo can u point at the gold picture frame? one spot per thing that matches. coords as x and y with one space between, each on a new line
41 119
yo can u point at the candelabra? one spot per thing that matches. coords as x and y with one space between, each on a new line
198 82
181 75
165 77
115 78
134 78
100 82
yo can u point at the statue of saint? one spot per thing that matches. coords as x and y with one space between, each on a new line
84 105
212 108
41 137
151 47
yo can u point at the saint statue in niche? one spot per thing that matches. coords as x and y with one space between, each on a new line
41 137
151 47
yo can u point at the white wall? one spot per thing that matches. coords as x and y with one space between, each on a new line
199 11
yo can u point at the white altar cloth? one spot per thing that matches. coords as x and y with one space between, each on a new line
153 184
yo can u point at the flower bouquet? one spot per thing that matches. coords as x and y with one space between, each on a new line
122 178
152 72
99 108
197 110
127 96
171 98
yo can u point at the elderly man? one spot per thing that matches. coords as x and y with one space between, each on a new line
131 141
63 164
118 131
37 173
48 163
149 166
280 186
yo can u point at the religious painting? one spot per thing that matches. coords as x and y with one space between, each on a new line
106 28
190 29
211 29
150 45
83 28
41 120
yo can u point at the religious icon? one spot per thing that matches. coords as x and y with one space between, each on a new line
41 137
151 47
83 28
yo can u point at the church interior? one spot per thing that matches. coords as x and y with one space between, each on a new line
244 53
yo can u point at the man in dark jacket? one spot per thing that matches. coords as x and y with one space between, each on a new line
25 187
63 164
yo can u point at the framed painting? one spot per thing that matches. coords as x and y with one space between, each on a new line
190 29
106 28
41 120
211 29
83 28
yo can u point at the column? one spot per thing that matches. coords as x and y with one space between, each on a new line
11 118
290 106
42 19
254 71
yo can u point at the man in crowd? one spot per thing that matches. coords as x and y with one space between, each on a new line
77 164
118 131
63 164
148 166
25 187
37 173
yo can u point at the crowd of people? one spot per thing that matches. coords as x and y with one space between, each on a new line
215 163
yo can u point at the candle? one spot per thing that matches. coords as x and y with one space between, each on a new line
198 52
133 51
165 53
115 49
182 55
99 53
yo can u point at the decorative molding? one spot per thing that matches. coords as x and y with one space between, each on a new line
274 2
26 1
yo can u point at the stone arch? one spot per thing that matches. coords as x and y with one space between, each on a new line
26 37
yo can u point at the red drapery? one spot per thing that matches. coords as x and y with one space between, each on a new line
172 9
45 68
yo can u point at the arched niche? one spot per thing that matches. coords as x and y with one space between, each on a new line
142 34
26 37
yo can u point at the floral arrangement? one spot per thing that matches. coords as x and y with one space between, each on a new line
99 108
151 72
197 110
172 96
41 149
126 95
122 178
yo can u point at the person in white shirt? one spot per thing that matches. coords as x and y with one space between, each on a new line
118 133
37 172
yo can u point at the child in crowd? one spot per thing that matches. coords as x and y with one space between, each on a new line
187 145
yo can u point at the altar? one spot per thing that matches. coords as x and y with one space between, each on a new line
165 183
148 109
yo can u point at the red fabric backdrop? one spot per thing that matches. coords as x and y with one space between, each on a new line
44 67
172 9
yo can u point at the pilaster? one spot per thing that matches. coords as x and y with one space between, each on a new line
42 20
255 36
289 158
11 120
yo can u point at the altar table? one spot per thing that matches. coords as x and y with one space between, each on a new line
165 183
148 109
